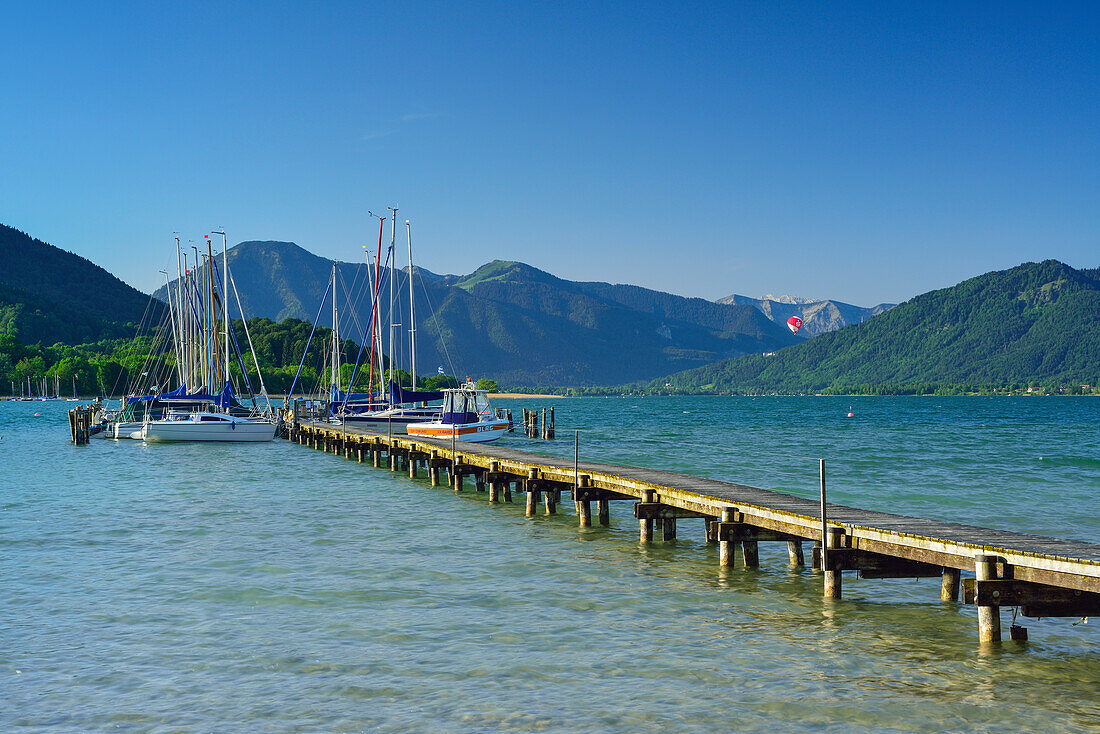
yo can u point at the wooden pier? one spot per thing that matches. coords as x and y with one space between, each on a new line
1043 577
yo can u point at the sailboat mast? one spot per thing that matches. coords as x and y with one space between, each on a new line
412 318
179 315
393 301
225 299
335 337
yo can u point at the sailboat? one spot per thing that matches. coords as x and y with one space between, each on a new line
204 344
396 406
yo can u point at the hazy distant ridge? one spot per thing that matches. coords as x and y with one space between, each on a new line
818 316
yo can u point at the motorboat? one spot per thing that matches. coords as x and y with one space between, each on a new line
467 416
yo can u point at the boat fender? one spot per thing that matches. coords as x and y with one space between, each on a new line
232 425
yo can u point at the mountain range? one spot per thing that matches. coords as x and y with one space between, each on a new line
510 321
1036 322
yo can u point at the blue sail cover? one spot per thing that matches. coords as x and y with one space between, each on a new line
224 399
399 394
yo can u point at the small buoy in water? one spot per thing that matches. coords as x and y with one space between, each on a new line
37 414
850 413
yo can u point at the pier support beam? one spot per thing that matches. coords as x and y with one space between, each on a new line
794 552
494 485
725 545
668 528
376 455
433 470
751 549
645 524
949 587
603 507
832 572
550 499
989 616
584 513
584 506
532 493
412 466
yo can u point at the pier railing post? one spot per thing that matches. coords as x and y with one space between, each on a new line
989 616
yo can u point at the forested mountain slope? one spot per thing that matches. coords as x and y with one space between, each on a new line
1034 322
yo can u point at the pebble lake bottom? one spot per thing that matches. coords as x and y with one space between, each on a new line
267 587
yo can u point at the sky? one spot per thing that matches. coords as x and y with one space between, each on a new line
865 152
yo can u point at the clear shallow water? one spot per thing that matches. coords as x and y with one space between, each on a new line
272 588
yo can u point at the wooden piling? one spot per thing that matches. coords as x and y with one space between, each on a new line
456 474
412 466
433 470
989 616
794 552
550 499
532 493
949 586
545 426
668 529
725 545
603 511
550 429
494 485
645 525
751 550
832 575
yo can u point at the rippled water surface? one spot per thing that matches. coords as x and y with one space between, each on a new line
273 588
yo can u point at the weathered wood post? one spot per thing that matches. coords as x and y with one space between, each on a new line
532 493
949 586
494 485
550 499
989 616
668 528
645 525
550 429
725 545
794 552
412 465
545 425
832 575
603 510
433 470
359 451
584 507
751 550
376 454
506 490
456 474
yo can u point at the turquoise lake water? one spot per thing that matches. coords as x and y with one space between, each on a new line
273 588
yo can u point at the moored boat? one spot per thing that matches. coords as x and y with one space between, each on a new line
467 416
205 426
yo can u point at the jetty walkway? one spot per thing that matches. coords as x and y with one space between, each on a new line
1044 577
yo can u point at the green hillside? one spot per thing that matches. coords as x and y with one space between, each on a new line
1033 323
49 295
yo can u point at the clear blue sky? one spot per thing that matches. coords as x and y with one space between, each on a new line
863 152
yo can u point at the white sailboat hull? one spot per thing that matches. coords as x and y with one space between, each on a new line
238 431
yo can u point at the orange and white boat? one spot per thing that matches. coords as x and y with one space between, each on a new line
467 416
